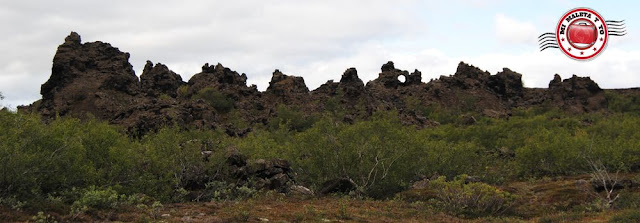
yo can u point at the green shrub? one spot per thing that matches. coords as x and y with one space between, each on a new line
173 159
377 155
42 218
380 155
153 210
164 97
12 202
183 91
222 191
222 103
40 158
241 215
290 118
473 199
628 200
630 216
100 198
97 199
551 152
562 217
620 103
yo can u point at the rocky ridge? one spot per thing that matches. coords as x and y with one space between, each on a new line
96 80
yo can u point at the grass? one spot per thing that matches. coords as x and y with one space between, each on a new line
543 200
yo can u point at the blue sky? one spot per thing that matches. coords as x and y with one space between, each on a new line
317 40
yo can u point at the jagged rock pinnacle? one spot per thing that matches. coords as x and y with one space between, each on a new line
72 38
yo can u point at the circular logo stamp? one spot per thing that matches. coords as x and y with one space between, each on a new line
582 34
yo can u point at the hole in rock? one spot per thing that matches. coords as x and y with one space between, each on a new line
402 78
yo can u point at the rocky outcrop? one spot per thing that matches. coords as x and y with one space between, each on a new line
507 84
350 84
96 80
284 85
576 94
158 80
153 114
90 78
274 174
389 77
467 77
223 79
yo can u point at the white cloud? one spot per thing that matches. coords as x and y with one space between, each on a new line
510 30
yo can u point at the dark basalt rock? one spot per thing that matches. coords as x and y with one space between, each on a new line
389 77
159 80
96 79
275 174
467 77
339 185
576 94
414 78
221 78
465 70
90 78
507 84
350 84
283 85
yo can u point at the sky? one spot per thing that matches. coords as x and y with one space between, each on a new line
317 40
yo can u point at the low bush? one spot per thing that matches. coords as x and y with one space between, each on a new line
620 103
290 118
630 216
42 218
219 101
97 199
380 155
222 191
469 199
628 200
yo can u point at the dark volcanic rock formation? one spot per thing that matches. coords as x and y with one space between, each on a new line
282 85
389 77
96 79
350 85
159 80
222 79
576 94
507 84
93 78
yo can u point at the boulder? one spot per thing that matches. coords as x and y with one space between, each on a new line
339 185
599 185
300 191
